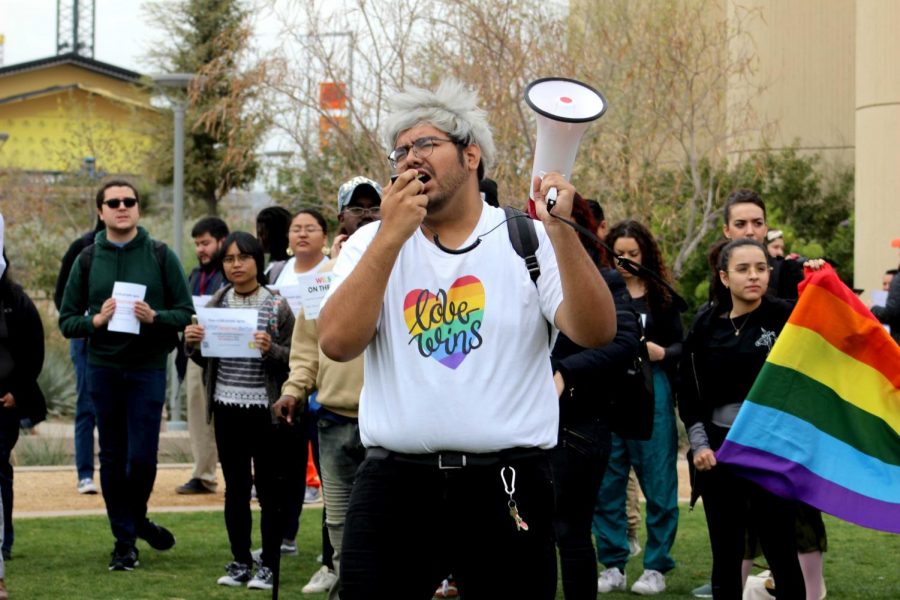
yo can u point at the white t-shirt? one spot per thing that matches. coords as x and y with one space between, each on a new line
461 356
288 277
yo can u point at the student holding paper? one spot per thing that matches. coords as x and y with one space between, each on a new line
240 392
126 372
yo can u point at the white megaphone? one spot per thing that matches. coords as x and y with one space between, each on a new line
564 108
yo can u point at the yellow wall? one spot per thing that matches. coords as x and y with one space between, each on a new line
55 132
41 78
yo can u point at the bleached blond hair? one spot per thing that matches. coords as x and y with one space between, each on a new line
452 108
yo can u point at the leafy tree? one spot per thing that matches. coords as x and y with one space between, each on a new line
226 117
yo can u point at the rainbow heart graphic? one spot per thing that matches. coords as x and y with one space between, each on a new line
446 325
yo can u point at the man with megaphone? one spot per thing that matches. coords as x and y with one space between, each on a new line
459 405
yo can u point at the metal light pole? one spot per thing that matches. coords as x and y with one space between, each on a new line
165 82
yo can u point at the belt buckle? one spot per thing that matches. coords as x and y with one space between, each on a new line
443 467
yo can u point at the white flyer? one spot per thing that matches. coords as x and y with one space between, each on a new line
125 295
294 296
229 332
879 298
201 301
313 289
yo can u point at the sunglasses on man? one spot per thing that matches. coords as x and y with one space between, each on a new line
114 203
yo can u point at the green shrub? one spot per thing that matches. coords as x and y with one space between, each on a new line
57 381
35 451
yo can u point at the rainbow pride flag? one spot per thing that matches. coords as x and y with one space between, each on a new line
821 422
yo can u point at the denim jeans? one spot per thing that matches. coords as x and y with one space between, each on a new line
85 420
579 460
340 454
128 405
9 435
436 522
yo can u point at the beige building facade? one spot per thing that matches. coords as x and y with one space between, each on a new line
828 82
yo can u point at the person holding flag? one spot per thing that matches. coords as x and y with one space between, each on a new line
723 353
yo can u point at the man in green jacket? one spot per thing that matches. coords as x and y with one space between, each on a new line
126 373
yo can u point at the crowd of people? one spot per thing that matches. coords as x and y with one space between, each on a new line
455 382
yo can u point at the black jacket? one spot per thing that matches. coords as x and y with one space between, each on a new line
890 312
68 260
712 377
22 341
587 371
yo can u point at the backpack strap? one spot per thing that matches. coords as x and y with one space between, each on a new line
85 259
523 237
160 252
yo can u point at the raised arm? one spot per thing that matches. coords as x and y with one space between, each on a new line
349 317
587 314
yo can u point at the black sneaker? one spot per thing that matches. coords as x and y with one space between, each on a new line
157 536
236 575
124 558
194 486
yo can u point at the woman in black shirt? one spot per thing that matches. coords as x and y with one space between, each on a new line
723 353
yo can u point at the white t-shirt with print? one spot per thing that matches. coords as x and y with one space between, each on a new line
288 277
461 356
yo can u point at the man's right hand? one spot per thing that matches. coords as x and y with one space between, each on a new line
105 314
193 334
403 207
284 409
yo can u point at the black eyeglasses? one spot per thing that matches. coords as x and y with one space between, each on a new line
115 202
356 211
422 148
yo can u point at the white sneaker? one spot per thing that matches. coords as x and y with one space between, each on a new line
321 581
86 486
312 495
611 580
650 582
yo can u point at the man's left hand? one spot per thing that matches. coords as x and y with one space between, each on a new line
8 400
143 312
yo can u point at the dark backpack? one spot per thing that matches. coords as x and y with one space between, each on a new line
631 396
86 259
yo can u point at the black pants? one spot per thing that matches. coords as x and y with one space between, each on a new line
733 505
579 461
9 435
254 451
435 522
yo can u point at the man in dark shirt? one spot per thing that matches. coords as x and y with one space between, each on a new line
204 280
126 372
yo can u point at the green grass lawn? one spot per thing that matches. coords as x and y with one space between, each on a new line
67 558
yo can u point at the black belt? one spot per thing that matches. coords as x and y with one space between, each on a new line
457 460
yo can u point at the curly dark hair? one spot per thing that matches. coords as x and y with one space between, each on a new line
659 298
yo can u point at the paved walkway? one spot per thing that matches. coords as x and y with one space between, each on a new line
50 491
